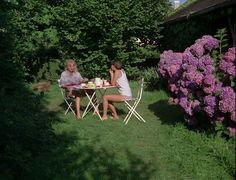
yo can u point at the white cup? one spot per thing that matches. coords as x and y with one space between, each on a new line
104 82
98 82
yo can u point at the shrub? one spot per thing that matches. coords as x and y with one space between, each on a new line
93 32
50 71
153 79
196 84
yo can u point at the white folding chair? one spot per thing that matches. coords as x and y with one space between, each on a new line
132 106
69 100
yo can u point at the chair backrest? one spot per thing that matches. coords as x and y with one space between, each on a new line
140 88
59 83
63 93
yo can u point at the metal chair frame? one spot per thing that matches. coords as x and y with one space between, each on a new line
132 108
69 100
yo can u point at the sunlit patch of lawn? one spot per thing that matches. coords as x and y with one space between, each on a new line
161 148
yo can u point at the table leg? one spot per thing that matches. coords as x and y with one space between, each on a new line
87 107
102 93
92 103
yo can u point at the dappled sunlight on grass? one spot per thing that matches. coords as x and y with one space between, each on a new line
58 146
162 148
75 159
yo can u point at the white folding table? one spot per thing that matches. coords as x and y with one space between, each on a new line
95 104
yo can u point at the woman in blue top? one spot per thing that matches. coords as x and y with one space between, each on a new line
118 79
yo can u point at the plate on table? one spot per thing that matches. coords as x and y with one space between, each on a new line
83 85
107 84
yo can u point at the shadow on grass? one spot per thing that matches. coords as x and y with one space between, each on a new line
31 150
70 159
168 114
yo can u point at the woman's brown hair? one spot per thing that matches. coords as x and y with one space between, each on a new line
117 64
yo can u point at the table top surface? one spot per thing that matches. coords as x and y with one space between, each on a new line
97 87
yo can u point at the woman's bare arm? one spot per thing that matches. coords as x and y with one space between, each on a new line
116 75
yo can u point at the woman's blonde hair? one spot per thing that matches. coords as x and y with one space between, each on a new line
69 61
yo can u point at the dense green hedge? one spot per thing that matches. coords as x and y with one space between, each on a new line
92 32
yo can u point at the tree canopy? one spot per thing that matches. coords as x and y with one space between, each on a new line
92 32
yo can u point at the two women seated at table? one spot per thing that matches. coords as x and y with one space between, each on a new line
118 78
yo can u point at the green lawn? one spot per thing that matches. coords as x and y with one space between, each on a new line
161 148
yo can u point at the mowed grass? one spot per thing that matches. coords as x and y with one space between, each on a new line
161 148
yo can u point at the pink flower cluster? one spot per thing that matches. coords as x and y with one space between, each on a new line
194 85
228 63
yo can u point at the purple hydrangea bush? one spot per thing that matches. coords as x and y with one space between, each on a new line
195 86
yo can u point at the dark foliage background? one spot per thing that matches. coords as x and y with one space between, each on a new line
93 32
181 34
25 128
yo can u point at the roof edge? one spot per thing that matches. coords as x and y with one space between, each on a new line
203 11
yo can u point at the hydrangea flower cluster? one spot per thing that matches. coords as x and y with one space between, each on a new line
228 63
194 85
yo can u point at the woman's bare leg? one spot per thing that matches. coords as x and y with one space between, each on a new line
78 96
110 98
105 107
113 109
77 104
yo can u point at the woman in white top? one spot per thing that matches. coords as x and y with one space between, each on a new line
71 77
118 79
